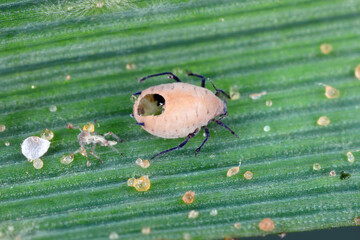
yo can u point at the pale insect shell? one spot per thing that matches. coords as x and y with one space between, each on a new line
187 108
34 147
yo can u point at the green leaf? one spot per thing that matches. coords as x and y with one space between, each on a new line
84 58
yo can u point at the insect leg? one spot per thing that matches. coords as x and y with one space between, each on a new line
137 93
113 135
207 137
93 153
86 154
115 150
77 151
160 74
223 125
177 147
203 79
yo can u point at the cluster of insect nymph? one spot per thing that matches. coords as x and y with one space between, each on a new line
172 110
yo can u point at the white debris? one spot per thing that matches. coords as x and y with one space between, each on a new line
34 147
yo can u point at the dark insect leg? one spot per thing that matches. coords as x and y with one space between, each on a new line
160 74
207 137
137 93
223 125
141 124
177 147
115 150
203 79
223 115
93 153
218 91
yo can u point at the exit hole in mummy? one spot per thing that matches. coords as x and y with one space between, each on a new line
151 104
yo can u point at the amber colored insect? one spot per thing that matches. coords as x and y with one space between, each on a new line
177 110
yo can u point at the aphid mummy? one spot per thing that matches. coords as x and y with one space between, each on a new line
177 110
186 109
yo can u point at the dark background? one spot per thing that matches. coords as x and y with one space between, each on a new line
346 233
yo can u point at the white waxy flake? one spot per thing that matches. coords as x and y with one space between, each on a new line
34 147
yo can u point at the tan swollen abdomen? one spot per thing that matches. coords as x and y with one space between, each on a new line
187 108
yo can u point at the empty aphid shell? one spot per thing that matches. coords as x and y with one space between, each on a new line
131 182
357 72
331 92
350 157
143 163
267 128
193 214
146 230
326 48
52 108
38 163
34 147
323 121
237 225
142 184
268 103
332 173
188 197
213 212
130 66
89 127
248 175
47 134
113 235
316 166
232 171
266 225
234 92
67 159
7 143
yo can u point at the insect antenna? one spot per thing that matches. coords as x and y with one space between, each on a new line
170 74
